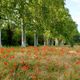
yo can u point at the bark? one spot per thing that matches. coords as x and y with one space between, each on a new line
62 42
23 37
45 41
0 39
35 39
52 42
23 34
49 41
56 42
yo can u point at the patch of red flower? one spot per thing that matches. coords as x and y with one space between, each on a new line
5 56
78 62
11 57
25 67
2 50
5 63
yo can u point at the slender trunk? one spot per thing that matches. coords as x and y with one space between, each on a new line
62 42
35 39
52 42
44 40
44 43
56 42
0 39
49 42
23 34
23 37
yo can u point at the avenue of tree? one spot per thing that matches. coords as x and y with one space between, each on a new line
47 18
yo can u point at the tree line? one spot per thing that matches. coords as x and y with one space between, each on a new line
45 22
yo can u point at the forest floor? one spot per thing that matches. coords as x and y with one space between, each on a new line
40 63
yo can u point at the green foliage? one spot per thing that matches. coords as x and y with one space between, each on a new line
39 15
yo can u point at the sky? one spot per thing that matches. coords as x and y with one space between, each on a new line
74 9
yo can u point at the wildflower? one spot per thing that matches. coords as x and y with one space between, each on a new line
5 56
2 50
11 57
25 67
78 62
12 49
5 63
8 50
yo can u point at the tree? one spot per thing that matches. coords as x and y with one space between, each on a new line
49 18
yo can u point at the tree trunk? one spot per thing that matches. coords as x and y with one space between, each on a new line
35 39
52 42
44 40
49 41
62 42
23 37
0 39
56 42
44 43
23 34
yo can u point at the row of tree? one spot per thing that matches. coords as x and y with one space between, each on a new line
49 18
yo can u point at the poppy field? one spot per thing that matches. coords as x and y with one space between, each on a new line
40 63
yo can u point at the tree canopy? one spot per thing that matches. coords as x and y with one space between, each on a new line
49 18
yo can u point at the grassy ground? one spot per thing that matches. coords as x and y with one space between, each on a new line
40 63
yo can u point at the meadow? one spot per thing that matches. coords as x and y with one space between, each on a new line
40 63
